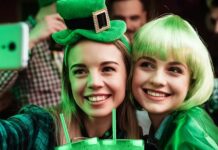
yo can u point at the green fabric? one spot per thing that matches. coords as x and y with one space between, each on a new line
191 129
71 36
32 128
76 9
43 3
73 9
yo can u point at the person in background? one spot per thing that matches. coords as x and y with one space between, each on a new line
172 77
133 12
95 73
213 15
39 82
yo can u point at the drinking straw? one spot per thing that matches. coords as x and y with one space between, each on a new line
114 125
65 128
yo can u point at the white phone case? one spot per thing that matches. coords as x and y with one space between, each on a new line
14 41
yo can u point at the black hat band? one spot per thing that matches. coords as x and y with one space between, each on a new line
99 22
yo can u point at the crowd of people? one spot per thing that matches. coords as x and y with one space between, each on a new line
154 70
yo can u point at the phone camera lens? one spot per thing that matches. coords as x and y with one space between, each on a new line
12 46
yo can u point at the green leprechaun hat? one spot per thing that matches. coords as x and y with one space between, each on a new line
88 19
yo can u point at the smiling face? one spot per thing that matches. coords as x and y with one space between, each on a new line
214 19
160 86
97 76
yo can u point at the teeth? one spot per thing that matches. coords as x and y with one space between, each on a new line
96 98
155 94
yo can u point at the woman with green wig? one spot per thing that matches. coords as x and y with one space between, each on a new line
172 78
95 73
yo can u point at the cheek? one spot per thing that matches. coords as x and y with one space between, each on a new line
138 23
119 83
118 86
182 86
120 79
136 82
139 77
187 87
77 88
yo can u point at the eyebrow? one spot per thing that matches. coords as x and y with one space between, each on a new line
171 63
76 65
109 62
102 64
178 63
134 16
148 58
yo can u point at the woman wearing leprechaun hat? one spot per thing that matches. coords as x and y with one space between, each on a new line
95 73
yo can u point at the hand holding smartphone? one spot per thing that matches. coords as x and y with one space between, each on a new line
14 41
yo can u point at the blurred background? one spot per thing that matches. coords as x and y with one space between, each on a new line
195 11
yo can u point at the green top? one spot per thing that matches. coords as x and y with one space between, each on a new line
190 129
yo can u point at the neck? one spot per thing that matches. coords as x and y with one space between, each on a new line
96 127
156 119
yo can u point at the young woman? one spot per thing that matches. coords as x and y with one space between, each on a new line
95 74
172 77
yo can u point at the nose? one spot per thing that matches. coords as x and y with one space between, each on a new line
129 25
94 80
158 79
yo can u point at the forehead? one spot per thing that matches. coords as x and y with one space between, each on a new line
89 52
164 54
127 7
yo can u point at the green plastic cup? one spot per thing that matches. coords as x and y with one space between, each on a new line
107 144
65 147
130 144
119 144
87 144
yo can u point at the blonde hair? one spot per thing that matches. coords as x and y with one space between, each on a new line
126 117
171 35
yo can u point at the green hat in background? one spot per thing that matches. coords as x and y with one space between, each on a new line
88 19
43 3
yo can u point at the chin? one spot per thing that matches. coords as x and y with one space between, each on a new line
155 109
100 113
159 112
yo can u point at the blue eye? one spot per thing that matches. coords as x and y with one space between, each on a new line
176 70
147 65
79 72
108 69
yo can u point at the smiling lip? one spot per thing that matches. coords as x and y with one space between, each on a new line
97 99
156 95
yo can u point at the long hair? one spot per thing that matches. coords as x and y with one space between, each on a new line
171 35
126 117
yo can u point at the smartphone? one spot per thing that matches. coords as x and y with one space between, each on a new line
14 42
